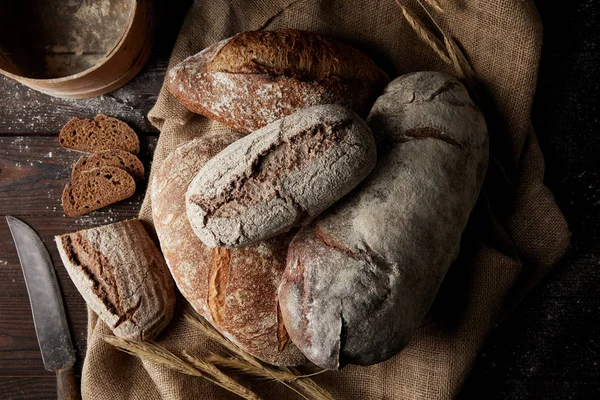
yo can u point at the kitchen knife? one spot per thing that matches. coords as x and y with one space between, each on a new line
49 316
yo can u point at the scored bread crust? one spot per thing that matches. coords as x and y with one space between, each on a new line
235 290
96 189
101 133
122 276
362 276
255 78
280 177
113 158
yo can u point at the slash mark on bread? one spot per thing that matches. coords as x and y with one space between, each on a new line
325 238
281 158
427 132
99 271
282 335
129 314
218 279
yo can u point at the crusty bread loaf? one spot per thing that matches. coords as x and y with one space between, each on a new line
360 278
95 189
235 290
122 276
280 177
101 133
113 158
255 78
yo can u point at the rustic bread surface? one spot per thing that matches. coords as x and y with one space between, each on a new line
361 277
280 177
235 290
255 78
101 133
95 189
122 276
113 158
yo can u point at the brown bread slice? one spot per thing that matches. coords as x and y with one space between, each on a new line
95 189
101 133
114 158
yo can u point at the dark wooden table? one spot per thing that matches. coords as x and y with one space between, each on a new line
549 348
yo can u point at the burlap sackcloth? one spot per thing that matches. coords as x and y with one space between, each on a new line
515 234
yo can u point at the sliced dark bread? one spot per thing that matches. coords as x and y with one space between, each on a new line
95 189
109 158
101 133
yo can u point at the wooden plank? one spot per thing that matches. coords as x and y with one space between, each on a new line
19 350
25 111
34 171
29 111
11 278
42 387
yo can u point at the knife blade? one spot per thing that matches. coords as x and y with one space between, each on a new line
49 319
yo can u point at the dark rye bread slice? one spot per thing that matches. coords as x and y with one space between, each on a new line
101 133
106 158
95 189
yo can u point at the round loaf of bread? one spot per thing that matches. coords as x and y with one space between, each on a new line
235 290
361 277
280 177
255 78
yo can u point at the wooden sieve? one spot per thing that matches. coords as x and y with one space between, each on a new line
74 48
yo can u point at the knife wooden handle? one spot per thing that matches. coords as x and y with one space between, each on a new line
66 385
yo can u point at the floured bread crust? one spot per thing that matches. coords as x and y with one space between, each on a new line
122 276
254 78
280 176
234 289
361 277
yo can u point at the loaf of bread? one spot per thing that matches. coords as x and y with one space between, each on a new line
113 158
255 78
122 277
235 290
95 189
101 133
361 277
280 177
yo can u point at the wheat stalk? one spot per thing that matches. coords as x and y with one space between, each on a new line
425 34
159 355
459 61
448 51
245 363
435 5
302 382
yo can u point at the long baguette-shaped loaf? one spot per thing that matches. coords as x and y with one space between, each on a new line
361 278
255 78
235 290
280 176
122 276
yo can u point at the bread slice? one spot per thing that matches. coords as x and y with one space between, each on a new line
122 276
95 189
113 158
101 133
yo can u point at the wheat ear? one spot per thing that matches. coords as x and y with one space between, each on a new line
159 355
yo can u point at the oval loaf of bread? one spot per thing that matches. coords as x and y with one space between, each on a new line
279 177
255 78
122 276
235 290
360 278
